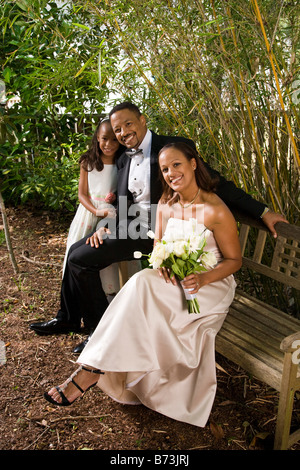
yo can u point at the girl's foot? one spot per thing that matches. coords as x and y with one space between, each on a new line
70 390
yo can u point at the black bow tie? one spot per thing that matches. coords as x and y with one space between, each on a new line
133 152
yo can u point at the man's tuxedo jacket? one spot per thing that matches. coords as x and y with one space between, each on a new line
233 197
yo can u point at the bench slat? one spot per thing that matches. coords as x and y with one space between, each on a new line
249 346
271 327
226 345
268 311
276 275
274 335
257 339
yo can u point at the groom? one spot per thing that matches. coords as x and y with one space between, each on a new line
82 295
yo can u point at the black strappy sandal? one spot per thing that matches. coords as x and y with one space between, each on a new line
65 401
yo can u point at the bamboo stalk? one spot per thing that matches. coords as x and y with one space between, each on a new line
271 58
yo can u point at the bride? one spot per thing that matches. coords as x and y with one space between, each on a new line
147 348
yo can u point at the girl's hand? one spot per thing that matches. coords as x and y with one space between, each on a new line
103 213
97 238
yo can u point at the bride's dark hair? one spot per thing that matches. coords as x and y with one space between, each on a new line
204 179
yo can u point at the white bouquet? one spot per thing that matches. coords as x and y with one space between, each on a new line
182 252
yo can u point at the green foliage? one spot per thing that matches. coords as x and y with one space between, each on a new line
46 56
41 177
224 73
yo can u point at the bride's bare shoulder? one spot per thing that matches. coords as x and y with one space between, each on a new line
215 209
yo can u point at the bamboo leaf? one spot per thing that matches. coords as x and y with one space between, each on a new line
82 26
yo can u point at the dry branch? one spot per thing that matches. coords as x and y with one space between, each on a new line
7 235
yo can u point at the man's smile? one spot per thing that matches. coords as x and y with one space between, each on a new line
128 138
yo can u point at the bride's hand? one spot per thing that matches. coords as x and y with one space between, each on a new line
165 273
97 238
194 281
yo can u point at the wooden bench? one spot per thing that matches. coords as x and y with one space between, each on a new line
258 337
123 273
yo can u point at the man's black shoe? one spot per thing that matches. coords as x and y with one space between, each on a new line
80 347
53 327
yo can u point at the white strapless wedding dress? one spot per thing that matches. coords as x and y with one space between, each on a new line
154 352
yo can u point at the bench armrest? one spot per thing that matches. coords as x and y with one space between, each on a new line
287 343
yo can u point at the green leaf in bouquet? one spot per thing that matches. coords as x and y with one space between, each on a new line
200 268
191 267
177 271
180 262
194 256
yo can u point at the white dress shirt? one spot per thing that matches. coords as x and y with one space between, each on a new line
139 180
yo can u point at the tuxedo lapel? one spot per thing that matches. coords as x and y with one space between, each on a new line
123 175
157 144
155 184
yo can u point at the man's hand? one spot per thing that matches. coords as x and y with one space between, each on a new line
270 219
97 238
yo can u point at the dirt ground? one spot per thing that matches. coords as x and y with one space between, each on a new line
243 416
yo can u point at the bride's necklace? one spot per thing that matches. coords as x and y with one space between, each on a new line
190 203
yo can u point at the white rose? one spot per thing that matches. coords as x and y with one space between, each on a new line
179 247
158 255
169 247
209 259
194 243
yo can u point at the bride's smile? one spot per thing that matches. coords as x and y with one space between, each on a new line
175 180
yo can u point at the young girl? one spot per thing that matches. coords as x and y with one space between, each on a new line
96 193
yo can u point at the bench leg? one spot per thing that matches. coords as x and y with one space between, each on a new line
123 273
286 401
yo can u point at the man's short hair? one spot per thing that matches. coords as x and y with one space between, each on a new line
126 105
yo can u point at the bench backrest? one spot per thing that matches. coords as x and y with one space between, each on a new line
282 255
